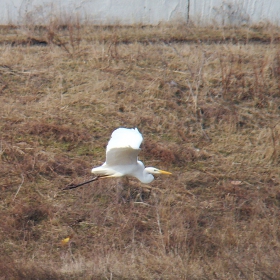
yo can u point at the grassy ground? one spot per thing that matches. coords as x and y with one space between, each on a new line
207 102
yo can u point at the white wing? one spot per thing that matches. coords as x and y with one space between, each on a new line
125 137
123 147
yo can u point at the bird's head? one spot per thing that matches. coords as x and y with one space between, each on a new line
154 171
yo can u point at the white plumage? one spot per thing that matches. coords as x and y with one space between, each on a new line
122 157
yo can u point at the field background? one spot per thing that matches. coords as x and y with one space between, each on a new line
207 101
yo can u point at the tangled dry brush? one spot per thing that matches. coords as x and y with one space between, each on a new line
207 103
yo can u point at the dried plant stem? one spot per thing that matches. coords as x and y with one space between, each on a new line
19 187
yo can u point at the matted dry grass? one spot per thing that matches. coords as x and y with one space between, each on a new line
207 102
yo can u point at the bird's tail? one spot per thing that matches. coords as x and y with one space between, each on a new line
103 171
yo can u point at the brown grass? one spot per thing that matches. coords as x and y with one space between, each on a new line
207 102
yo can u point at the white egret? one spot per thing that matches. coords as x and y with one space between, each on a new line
122 159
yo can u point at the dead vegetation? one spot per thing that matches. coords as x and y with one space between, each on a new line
207 102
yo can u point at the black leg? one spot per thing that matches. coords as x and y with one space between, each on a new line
72 186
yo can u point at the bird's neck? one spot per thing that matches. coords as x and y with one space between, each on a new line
147 177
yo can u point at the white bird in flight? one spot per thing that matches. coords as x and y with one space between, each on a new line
122 159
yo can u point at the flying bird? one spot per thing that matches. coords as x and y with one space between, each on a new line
122 159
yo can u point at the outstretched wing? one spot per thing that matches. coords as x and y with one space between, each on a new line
122 156
123 147
125 137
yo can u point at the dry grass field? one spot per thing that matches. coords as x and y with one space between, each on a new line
207 101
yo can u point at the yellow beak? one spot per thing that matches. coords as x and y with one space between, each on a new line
165 172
